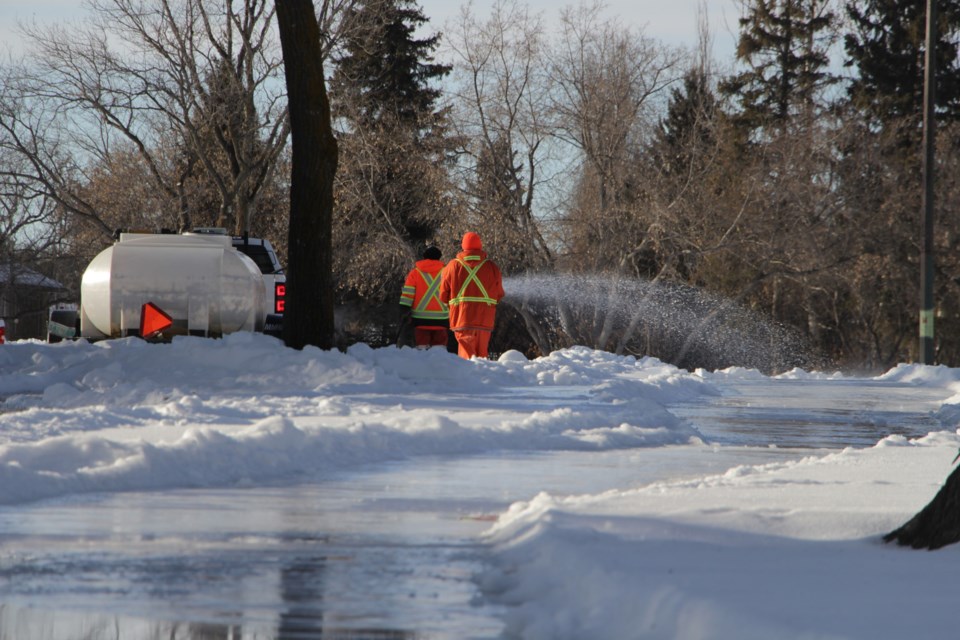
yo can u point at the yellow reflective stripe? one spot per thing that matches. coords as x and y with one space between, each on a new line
433 292
406 296
431 315
472 277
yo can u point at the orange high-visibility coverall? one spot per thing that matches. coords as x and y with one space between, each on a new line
421 293
472 286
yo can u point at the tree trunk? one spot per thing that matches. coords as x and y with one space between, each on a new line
308 319
938 524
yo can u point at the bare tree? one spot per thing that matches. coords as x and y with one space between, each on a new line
35 141
524 106
30 247
191 87
393 184
501 114
609 86
607 81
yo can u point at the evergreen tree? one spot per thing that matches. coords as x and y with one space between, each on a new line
683 180
502 212
887 49
392 184
498 185
383 73
688 129
784 44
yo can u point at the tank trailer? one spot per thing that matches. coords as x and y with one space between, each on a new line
160 285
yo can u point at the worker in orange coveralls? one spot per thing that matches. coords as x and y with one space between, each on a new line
472 286
420 298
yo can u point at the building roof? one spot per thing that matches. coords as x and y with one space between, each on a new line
19 275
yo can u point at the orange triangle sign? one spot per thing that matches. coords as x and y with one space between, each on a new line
153 320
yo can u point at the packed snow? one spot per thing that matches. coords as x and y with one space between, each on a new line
789 549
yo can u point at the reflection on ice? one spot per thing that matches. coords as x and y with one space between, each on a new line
386 551
815 414
26 623
319 562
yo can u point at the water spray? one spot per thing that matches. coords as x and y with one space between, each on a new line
679 324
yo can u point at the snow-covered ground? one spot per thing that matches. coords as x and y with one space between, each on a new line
783 549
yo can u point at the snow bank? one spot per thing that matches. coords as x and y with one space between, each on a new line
781 551
128 415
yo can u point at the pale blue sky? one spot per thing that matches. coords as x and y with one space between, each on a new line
672 21
14 11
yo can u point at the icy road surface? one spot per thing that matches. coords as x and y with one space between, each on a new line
385 551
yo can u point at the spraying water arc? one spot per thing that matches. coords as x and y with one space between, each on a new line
678 324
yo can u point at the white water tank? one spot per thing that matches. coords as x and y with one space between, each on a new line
205 285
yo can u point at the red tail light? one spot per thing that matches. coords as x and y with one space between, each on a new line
279 296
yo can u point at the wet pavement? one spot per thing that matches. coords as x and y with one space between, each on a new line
385 552
815 413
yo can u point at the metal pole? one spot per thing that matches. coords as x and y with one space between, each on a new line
929 137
